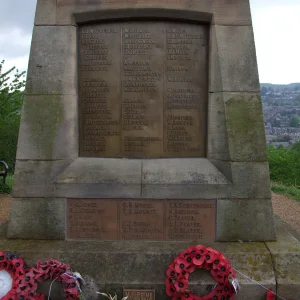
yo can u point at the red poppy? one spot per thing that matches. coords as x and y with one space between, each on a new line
201 249
3 258
187 295
189 251
199 259
171 271
185 274
211 255
170 289
181 265
189 258
181 284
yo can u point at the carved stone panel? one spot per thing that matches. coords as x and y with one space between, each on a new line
143 89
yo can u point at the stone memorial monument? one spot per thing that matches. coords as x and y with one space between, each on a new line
142 120
142 133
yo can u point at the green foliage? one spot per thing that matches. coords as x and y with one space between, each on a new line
294 122
296 146
7 187
11 99
289 191
284 165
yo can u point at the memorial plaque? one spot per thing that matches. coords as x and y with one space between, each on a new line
92 219
139 294
190 219
141 219
143 89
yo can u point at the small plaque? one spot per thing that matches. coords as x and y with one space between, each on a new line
141 219
139 294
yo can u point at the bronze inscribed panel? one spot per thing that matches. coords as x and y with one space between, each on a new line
143 89
92 219
190 219
141 219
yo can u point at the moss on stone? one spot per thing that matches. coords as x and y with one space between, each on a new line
245 128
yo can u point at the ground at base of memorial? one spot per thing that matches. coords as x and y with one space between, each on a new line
111 266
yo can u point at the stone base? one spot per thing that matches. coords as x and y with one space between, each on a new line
112 266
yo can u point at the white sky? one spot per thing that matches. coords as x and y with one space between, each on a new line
276 28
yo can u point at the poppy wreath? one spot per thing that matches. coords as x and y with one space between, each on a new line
200 257
49 270
16 268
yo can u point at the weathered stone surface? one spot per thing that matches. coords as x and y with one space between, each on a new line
234 51
53 61
286 258
215 77
102 170
3 230
251 180
49 128
231 12
224 167
183 179
181 171
45 13
224 12
245 127
34 178
65 9
217 144
96 190
37 218
245 220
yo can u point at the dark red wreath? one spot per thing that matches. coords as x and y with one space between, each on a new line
49 270
202 258
16 267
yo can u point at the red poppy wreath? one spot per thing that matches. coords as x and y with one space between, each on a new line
202 258
16 268
50 270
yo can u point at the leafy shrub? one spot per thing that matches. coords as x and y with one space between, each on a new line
11 99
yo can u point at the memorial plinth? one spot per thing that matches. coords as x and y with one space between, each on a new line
142 120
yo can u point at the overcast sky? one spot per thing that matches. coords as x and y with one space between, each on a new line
276 29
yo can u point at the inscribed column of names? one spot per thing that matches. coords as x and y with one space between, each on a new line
142 53
185 90
99 90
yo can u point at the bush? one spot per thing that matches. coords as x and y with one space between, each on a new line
284 165
11 99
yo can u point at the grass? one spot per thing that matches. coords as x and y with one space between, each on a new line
7 187
289 191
